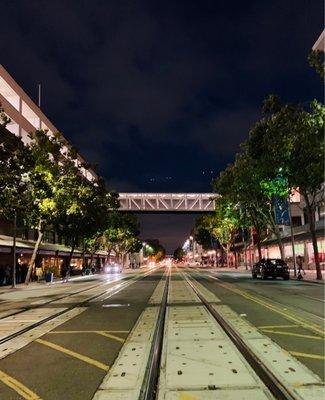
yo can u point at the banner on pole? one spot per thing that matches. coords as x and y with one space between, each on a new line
281 210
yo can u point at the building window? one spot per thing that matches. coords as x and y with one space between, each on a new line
296 221
24 234
9 94
48 237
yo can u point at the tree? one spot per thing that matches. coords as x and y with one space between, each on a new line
225 223
84 207
178 254
15 161
268 184
316 60
201 234
155 249
294 140
121 234
102 205
43 177
240 184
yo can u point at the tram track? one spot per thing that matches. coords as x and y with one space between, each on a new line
112 291
278 389
149 388
271 382
35 306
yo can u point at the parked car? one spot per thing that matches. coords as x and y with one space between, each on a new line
273 267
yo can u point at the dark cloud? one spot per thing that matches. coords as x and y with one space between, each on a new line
160 94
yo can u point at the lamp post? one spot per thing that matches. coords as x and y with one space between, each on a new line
143 250
292 239
13 284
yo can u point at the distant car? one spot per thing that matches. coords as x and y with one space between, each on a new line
112 268
193 264
273 267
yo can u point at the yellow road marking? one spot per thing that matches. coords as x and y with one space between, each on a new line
103 333
71 353
53 332
276 326
293 334
185 396
307 355
18 387
300 322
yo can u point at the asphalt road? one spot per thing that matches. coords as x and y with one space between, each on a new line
70 361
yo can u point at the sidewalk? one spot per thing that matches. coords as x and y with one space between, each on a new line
310 276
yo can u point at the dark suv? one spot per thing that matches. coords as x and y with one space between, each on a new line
270 267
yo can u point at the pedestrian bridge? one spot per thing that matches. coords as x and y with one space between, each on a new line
167 202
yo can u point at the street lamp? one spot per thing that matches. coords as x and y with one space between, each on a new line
13 283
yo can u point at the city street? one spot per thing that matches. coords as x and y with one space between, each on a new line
98 337
162 208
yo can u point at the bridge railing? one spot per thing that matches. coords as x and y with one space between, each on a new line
172 202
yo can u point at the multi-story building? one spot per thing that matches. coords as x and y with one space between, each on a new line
320 42
26 117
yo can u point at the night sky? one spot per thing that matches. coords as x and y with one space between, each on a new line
159 94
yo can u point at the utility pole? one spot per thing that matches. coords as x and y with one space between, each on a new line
292 239
39 94
13 284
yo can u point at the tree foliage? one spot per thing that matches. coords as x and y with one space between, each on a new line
15 162
316 60
154 249
178 254
121 234
293 149
202 235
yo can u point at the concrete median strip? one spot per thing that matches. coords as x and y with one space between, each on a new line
206 293
180 292
199 361
158 293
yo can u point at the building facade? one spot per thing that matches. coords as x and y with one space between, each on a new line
25 117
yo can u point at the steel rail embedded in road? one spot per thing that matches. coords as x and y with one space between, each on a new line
80 304
149 387
271 382
30 307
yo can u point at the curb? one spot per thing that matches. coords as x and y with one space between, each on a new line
322 282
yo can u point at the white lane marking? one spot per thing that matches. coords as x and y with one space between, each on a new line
314 298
